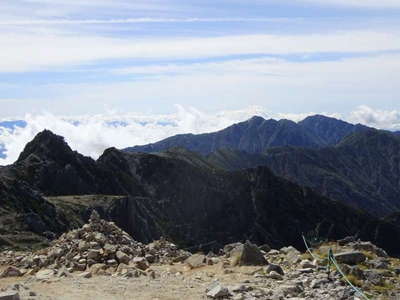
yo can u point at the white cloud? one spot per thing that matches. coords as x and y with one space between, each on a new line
44 50
94 133
384 119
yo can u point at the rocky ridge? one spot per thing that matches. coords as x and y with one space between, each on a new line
100 250
150 196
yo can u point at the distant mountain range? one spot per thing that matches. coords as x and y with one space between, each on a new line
354 164
257 134
177 194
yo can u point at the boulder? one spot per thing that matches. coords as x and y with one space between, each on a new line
247 254
350 258
196 261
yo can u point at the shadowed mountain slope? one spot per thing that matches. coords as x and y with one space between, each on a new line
186 199
363 170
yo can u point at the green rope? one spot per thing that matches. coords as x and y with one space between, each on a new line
332 259
308 249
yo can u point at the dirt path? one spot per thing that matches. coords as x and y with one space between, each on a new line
171 283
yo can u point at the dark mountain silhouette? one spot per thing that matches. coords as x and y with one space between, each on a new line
257 134
174 194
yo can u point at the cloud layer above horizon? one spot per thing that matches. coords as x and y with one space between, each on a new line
92 134
88 57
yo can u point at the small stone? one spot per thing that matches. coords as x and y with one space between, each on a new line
305 264
83 245
272 267
93 254
122 257
9 295
98 269
141 263
11 272
86 274
274 275
218 292
112 262
44 274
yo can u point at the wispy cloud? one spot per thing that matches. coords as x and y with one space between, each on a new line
22 52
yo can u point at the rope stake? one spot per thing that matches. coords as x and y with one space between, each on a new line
332 261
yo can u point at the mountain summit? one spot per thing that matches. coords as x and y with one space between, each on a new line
258 134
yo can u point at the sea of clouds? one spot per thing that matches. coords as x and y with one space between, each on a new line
92 134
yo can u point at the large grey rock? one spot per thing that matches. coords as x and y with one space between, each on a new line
247 254
350 258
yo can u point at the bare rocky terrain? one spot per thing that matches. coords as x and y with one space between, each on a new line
101 261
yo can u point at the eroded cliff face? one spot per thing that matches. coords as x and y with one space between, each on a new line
156 195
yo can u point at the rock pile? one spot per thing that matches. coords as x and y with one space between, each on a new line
289 274
97 245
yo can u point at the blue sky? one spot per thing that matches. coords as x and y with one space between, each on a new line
164 67
294 56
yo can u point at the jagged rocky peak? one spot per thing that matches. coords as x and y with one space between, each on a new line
46 144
